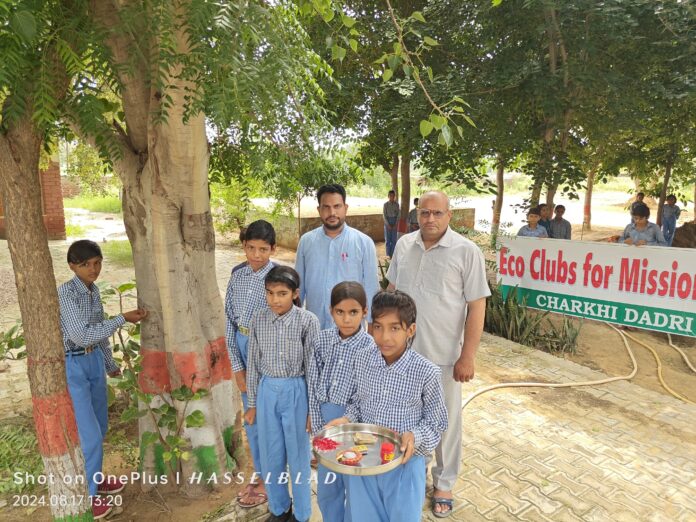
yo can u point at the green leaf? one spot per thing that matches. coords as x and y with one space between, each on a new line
125 287
417 15
167 456
353 45
469 121
183 393
387 74
338 53
496 3
347 21
195 419
447 135
430 41
148 438
397 48
407 70
429 70
437 120
185 455
425 128
24 24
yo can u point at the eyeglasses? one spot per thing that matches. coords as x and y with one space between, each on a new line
425 213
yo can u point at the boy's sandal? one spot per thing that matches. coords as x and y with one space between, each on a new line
245 491
255 498
443 502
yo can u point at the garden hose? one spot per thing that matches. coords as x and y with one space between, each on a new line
562 385
686 359
659 369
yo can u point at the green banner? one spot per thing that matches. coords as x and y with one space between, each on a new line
639 316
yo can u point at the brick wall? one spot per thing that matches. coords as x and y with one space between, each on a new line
52 199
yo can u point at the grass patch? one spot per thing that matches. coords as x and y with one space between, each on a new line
106 204
19 452
73 230
118 252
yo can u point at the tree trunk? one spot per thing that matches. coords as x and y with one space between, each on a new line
54 418
587 208
164 169
551 194
402 226
536 193
663 191
394 173
694 203
498 205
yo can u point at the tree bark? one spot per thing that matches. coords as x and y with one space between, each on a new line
54 418
663 191
402 226
536 193
498 205
167 214
394 173
587 208
551 194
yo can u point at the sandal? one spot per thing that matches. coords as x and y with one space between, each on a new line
443 502
246 490
255 498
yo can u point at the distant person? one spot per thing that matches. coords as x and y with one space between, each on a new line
545 218
560 228
413 217
533 227
333 253
638 201
390 213
670 215
641 232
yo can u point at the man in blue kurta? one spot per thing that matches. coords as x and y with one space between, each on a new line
334 253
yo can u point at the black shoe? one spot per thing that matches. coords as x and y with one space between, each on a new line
285 517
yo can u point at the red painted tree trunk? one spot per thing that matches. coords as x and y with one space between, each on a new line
54 418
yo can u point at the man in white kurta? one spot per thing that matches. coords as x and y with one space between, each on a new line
445 274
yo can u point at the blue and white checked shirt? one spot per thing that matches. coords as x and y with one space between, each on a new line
323 262
527 231
279 346
330 377
403 396
82 320
651 234
246 293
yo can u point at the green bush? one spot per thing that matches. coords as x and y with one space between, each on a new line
106 204
512 319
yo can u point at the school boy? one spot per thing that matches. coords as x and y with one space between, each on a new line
88 358
533 227
670 216
400 389
246 293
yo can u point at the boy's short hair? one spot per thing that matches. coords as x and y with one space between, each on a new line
672 196
397 301
415 201
333 188
259 229
640 195
535 211
560 207
641 211
391 192
82 250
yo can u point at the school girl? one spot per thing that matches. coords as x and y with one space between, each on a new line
281 340
88 359
400 389
246 293
331 380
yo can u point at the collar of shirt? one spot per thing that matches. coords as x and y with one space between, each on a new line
261 272
80 286
445 241
285 318
340 234
350 341
400 366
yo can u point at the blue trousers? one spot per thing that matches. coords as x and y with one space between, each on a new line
396 495
87 384
251 429
281 412
669 225
390 239
331 497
